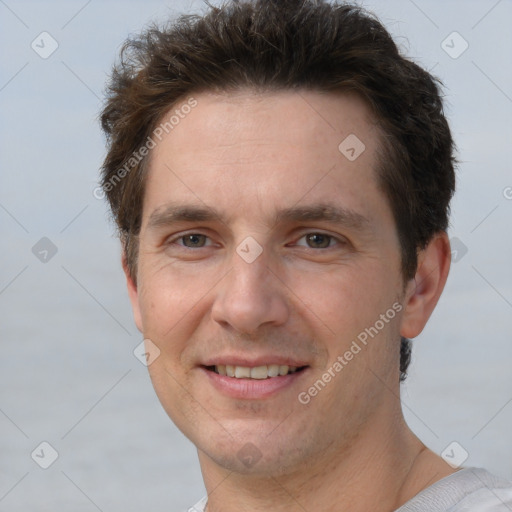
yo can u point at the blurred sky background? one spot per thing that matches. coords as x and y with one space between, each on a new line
68 375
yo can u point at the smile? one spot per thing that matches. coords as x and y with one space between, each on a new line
257 372
254 382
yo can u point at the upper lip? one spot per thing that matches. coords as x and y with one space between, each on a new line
252 362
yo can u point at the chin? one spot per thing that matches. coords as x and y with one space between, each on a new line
250 461
253 451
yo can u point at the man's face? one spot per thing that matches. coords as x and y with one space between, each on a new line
263 246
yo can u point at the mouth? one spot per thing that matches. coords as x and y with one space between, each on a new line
262 372
253 382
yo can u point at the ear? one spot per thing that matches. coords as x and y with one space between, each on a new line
133 293
424 290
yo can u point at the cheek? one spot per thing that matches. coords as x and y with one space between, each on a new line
175 303
345 297
171 386
345 306
168 296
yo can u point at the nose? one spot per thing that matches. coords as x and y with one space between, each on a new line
250 296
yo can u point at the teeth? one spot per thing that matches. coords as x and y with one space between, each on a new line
260 372
257 372
273 370
242 371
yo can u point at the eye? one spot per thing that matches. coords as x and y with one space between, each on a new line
317 240
193 240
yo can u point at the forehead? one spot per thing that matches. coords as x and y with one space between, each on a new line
265 151
303 117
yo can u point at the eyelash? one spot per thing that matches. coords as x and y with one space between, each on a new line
331 239
181 237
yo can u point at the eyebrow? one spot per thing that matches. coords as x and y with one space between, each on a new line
333 214
173 213
325 212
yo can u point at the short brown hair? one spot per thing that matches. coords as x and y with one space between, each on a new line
285 44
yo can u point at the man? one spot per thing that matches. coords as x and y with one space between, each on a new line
281 179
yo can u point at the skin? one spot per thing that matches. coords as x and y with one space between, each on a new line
247 156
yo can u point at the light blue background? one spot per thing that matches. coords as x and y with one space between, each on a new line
68 374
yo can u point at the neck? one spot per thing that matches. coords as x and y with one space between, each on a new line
380 471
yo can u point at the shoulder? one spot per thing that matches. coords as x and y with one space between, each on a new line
466 490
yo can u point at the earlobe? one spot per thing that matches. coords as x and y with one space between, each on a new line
424 290
133 293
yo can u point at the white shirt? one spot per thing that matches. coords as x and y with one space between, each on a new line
466 490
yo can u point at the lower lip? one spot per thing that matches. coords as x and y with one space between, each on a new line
252 389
